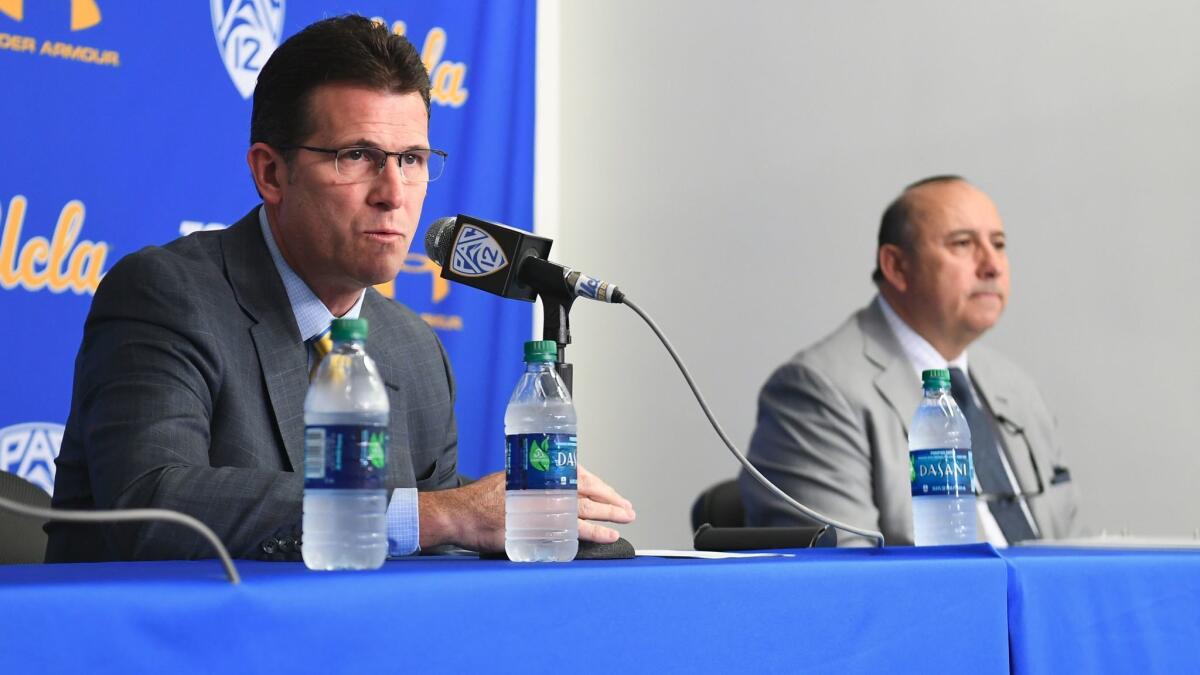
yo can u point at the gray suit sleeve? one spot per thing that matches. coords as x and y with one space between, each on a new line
147 374
811 443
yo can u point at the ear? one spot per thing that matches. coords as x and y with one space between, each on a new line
268 170
893 263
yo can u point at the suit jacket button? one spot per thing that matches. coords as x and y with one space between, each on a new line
269 546
287 545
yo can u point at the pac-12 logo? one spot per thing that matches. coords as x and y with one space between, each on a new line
29 449
247 32
476 253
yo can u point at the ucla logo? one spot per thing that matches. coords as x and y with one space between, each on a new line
247 32
62 262
447 78
476 254
587 287
29 449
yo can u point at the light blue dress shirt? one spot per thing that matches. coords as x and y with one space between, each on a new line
313 318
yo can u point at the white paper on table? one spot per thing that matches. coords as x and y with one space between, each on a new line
706 555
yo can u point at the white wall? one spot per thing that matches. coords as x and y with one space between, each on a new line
727 163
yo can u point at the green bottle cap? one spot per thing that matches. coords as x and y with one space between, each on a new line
543 351
348 329
935 377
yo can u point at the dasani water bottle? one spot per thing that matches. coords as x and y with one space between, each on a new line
345 457
540 509
941 468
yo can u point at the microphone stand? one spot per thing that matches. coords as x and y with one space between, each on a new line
556 325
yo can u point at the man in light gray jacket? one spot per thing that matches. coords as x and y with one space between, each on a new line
832 421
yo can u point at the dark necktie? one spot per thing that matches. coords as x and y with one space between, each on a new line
989 467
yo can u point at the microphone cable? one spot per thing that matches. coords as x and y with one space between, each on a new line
750 469
127 515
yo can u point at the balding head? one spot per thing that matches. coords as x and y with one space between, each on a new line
895 227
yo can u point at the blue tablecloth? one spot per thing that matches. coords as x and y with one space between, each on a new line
1097 611
893 610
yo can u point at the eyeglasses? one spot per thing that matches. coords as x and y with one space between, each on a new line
358 163
1013 430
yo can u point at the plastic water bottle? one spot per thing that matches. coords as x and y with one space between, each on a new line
941 468
345 457
540 509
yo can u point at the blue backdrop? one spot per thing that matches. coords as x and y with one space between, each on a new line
127 123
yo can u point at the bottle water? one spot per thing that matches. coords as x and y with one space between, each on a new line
941 468
540 508
345 457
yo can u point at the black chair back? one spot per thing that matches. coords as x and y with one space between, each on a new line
719 506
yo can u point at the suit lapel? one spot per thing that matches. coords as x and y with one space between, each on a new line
260 292
992 386
895 381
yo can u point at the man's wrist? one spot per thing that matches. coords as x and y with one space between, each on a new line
435 519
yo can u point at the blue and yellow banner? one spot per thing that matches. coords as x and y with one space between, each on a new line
126 124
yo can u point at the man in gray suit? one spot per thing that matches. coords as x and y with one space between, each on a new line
832 421
191 378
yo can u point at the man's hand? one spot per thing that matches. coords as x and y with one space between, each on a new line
598 501
472 516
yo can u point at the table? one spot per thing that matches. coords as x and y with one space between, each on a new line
1104 611
893 610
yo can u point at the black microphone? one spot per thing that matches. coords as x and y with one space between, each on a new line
507 262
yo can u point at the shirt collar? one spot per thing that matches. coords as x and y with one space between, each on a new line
312 316
921 355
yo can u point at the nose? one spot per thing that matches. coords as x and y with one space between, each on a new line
388 190
991 262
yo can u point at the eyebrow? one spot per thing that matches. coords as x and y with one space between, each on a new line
366 143
972 233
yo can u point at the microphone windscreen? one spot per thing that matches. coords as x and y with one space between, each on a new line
437 239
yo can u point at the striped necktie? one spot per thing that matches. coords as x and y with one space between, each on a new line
321 345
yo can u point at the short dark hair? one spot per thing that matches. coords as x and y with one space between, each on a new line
347 49
896 225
